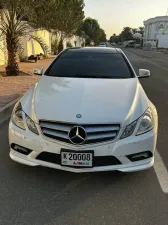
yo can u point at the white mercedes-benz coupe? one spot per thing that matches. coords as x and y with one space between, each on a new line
87 113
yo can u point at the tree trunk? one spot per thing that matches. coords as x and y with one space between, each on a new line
12 68
60 46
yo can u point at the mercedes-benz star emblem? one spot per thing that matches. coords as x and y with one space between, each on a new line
78 116
77 135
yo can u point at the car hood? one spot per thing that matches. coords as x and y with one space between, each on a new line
97 100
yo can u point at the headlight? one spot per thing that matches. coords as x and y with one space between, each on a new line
129 129
31 125
17 116
147 123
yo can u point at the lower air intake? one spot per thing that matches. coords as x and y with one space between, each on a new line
97 160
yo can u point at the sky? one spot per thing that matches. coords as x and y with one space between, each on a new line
113 15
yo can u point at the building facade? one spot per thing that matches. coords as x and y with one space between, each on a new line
156 32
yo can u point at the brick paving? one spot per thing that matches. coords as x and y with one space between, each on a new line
28 67
13 87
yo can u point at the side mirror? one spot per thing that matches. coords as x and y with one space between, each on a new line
38 71
144 73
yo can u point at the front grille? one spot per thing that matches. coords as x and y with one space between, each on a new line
95 133
98 161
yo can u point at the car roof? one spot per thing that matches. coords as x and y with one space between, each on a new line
95 49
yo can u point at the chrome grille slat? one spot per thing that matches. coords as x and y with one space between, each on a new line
101 129
100 136
53 126
95 132
54 133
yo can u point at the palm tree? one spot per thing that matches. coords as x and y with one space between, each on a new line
127 29
91 28
134 30
126 34
141 30
13 27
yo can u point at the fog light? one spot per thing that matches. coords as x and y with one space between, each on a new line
140 156
20 149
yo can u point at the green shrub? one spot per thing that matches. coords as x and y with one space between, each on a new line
60 46
69 45
54 46
22 58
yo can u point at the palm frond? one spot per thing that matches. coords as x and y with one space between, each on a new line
42 43
7 17
2 38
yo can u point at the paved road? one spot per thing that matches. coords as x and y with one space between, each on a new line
41 196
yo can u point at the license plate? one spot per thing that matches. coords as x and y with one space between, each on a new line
77 159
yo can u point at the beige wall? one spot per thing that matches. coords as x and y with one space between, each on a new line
45 35
3 55
29 48
3 58
32 47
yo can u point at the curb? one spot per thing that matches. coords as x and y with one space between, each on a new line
5 111
26 73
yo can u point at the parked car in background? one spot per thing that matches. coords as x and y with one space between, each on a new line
102 44
130 44
137 45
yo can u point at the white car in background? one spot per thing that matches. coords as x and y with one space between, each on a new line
137 46
87 113
102 44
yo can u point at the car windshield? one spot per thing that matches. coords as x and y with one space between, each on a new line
90 65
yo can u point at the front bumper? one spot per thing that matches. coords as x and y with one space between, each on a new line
119 149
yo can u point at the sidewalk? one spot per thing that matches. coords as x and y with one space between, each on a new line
28 67
13 87
165 51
